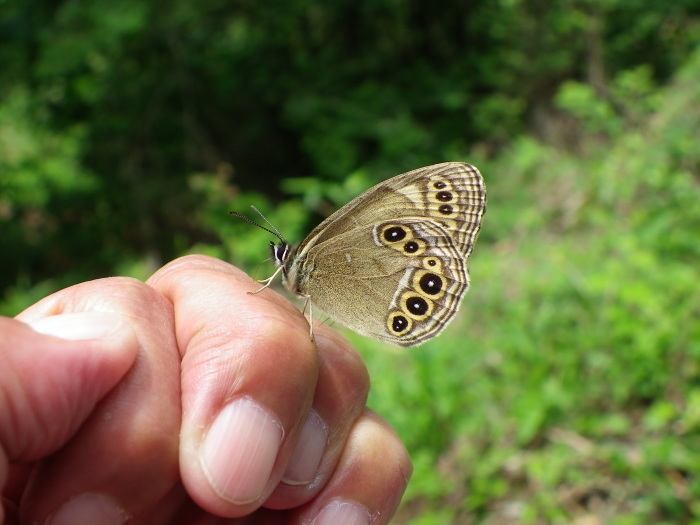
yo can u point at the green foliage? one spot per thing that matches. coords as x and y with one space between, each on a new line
41 180
571 386
142 95
568 388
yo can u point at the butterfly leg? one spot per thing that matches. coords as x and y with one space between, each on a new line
267 282
308 303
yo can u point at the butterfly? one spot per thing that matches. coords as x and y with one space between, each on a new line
392 263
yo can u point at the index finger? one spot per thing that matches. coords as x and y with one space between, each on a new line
249 372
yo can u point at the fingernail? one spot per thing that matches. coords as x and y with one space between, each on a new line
89 508
304 461
79 326
239 451
339 512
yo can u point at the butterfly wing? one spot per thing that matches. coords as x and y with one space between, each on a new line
451 193
404 289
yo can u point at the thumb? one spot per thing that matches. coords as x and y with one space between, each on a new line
54 371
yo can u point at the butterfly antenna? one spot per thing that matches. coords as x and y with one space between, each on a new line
273 231
279 235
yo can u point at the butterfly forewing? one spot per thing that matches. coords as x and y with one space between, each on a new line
452 193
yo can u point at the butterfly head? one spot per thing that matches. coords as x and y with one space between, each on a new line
288 262
280 252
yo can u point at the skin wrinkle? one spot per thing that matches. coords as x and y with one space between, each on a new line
13 416
219 341
43 393
248 326
210 362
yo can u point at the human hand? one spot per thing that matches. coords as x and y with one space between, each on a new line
259 404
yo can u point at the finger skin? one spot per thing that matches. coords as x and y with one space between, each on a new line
48 386
132 434
340 397
35 367
373 472
235 346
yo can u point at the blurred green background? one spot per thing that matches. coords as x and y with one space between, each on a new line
568 388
